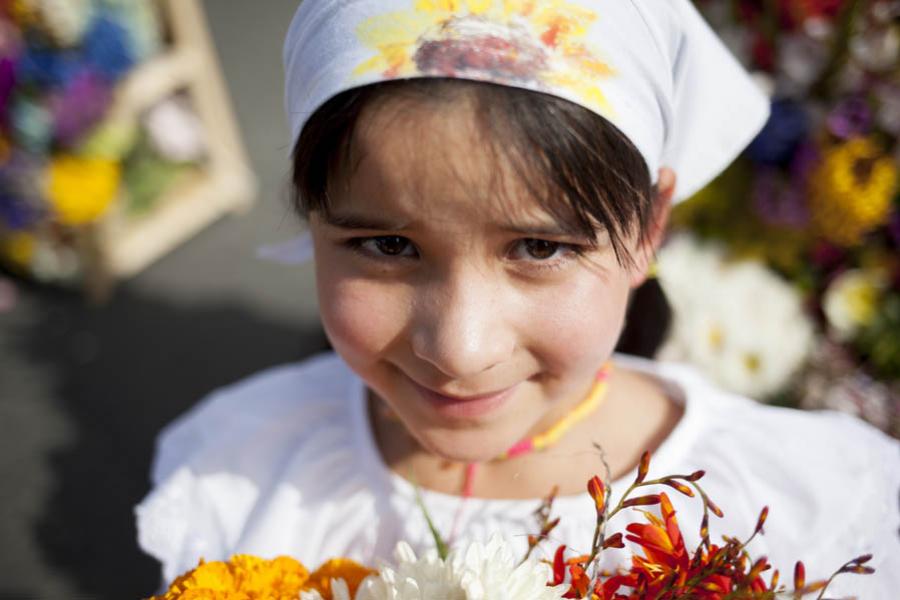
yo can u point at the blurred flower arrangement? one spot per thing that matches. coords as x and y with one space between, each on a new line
802 233
66 160
661 567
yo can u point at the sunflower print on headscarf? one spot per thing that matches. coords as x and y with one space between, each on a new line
524 43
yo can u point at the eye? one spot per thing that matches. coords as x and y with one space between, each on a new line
385 246
541 249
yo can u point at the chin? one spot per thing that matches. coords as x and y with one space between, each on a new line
465 445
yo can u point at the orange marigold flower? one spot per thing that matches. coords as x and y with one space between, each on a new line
244 577
337 568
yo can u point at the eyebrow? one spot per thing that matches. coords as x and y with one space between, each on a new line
349 221
542 230
352 221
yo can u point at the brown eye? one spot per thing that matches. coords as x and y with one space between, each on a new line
391 245
541 249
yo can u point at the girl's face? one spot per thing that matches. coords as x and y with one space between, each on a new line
472 312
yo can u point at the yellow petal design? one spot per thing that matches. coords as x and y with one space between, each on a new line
528 43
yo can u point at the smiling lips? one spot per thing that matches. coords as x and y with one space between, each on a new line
467 407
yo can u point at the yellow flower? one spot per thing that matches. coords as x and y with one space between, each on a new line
18 249
247 577
23 12
82 189
851 191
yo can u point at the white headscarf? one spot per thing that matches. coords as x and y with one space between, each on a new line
654 68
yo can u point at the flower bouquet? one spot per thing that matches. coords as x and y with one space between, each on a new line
661 568
77 147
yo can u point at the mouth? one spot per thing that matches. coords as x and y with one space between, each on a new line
465 407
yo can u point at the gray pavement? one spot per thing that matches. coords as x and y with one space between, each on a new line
83 390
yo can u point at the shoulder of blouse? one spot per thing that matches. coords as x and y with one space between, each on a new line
283 401
832 482
216 461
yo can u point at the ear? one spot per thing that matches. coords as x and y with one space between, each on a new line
645 256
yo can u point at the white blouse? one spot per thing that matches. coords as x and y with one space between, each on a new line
284 462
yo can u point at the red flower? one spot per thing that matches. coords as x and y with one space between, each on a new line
663 546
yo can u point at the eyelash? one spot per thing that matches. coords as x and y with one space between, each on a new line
569 250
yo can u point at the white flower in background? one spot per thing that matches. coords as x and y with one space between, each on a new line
851 302
802 59
478 572
175 131
888 115
64 20
737 321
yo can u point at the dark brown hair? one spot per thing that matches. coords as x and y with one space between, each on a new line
584 170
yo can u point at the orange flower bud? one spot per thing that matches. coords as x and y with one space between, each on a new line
696 475
680 487
762 519
597 490
643 468
714 509
550 526
859 570
799 575
759 567
648 500
614 541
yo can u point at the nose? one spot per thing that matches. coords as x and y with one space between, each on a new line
462 325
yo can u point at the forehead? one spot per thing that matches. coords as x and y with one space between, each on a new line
439 158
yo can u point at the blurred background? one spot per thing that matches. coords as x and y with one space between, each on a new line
89 376
143 163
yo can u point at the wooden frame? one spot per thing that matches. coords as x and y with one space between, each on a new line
119 246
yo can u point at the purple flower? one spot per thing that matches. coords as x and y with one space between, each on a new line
806 159
893 227
15 213
788 125
80 106
850 118
21 203
779 202
7 84
827 256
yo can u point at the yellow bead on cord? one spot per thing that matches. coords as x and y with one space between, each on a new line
546 439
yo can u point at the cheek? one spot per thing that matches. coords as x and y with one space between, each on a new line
361 319
580 323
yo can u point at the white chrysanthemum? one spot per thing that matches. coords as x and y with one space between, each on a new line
65 20
737 321
478 572
339 591
851 301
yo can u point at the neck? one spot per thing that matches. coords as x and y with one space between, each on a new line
636 416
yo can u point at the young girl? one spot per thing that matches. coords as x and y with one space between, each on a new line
486 183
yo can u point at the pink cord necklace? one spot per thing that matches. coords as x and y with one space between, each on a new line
544 440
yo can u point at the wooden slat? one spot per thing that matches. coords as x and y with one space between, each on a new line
122 247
